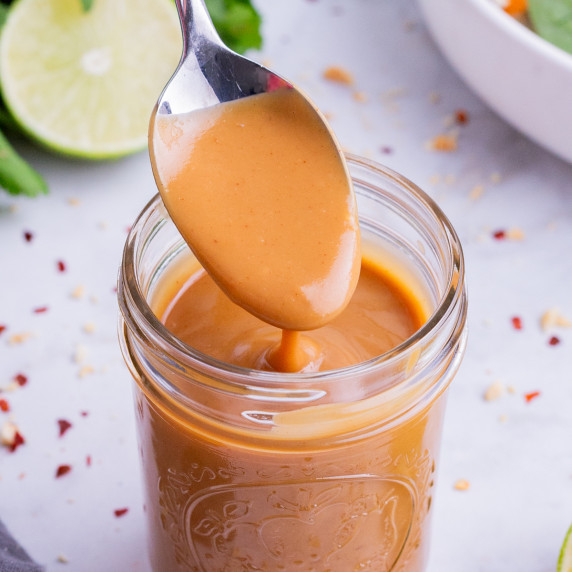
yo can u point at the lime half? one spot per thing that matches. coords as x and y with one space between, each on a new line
565 558
85 83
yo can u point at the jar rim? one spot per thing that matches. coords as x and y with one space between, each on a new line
139 316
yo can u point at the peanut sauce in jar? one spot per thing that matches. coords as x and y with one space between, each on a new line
290 374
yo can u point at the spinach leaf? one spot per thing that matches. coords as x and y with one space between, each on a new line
16 176
552 20
237 22
86 5
3 13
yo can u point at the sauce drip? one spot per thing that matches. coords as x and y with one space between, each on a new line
382 313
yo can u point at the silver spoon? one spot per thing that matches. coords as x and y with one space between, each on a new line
209 72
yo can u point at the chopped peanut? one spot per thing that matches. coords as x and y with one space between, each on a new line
338 75
494 391
553 318
444 142
462 485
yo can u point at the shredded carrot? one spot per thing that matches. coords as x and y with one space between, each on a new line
516 7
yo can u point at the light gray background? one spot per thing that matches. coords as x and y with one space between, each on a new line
519 505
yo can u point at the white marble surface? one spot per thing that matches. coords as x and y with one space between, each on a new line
516 455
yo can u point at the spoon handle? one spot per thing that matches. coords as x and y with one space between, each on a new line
197 26
209 72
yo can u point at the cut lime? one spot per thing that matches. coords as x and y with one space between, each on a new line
85 83
565 558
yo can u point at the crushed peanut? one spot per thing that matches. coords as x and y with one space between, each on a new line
89 327
12 386
80 353
514 233
552 318
462 485
338 75
360 96
78 292
19 338
476 192
8 434
494 391
446 142
85 371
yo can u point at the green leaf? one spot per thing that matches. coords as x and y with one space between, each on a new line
3 14
552 20
86 5
6 120
16 176
237 22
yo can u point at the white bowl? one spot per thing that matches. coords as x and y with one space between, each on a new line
525 79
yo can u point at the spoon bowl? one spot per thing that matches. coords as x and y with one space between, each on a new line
255 182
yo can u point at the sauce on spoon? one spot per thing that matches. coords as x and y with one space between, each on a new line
258 189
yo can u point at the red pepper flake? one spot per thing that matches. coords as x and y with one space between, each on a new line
40 310
62 470
530 396
20 379
84 413
64 426
120 512
28 236
61 266
499 234
88 460
386 150
554 341
516 323
4 406
2 328
461 116
18 440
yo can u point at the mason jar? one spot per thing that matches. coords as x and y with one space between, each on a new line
334 471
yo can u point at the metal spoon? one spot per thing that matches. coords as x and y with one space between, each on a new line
209 72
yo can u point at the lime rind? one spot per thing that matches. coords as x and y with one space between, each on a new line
565 557
85 84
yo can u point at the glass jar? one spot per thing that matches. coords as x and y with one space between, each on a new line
333 471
